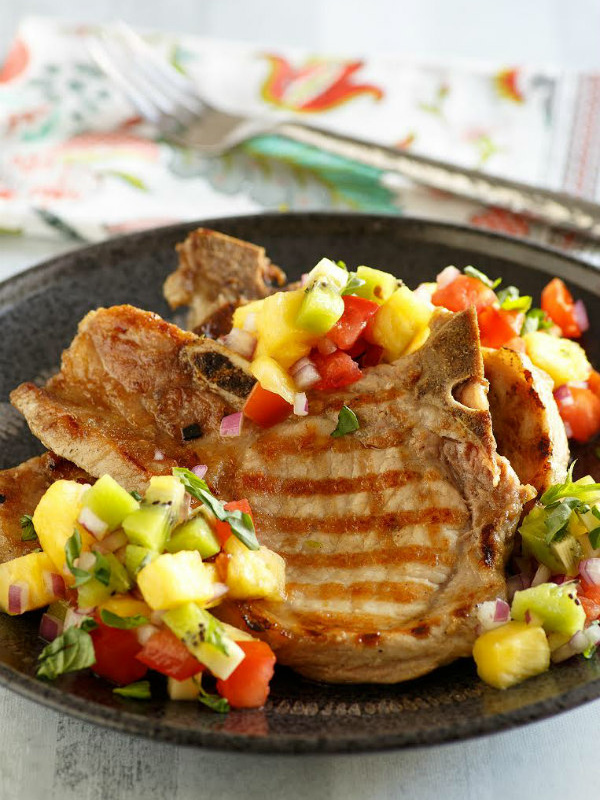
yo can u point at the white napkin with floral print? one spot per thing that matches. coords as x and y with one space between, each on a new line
76 161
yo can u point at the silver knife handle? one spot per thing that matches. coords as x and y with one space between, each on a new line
554 208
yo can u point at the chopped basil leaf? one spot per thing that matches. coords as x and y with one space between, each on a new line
510 300
535 320
212 701
241 523
475 273
124 623
102 569
71 651
72 552
88 624
28 531
594 537
347 422
136 495
596 512
579 491
556 522
140 690
354 283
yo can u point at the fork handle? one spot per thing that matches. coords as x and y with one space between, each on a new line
554 208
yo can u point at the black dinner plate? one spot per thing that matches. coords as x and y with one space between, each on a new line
39 312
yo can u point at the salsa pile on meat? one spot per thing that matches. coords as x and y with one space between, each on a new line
330 473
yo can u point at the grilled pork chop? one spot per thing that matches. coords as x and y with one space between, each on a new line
216 274
391 534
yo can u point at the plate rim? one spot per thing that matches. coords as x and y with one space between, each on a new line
125 721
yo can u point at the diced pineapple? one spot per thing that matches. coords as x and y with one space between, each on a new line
378 285
55 519
277 332
511 654
562 359
124 605
254 573
174 579
399 320
419 340
183 690
33 573
273 377
241 314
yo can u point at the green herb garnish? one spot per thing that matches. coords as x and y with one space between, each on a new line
347 422
535 320
594 537
354 283
241 523
69 652
123 623
136 495
140 690
475 273
101 569
578 491
511 300
28 533
88 624
212 701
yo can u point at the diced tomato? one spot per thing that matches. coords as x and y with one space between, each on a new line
358 348
498 326
580 411
591 607
336 370
463 292
589 590
266 408
594 382
116 652
558 303
165 653
371 357
223 529
351 324
248 684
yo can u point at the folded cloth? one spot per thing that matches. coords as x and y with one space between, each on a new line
76 161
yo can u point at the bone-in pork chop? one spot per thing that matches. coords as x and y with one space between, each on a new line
392 534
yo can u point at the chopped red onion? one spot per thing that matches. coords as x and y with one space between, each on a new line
55 584
446 276
92 523
231 425
563 395
18 596
581 316
50 627
300 404
424 292
240 341
86 561
145 632
110 543
307 376
304 279
542 575
300 364
326 347
589 569
219 590
75 616
492 614
200 470
576 644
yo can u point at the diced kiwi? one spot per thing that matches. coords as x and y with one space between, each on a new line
94 592
378 285
560 556
109 501
119 579
166 489
136 558
195 534
327 271
149 526
321 308
557 607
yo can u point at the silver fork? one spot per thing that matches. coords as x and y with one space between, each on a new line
172 103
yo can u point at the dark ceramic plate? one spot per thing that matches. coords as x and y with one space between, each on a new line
39 312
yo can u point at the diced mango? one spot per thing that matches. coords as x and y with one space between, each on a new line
254 573
124 605
399 320
174 579
563 359
277 332
55 519
273 377
511 654
33 573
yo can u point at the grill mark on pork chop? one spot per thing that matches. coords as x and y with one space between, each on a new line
384 591
298 487
390 556
354 524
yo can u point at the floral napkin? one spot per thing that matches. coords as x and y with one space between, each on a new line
76 161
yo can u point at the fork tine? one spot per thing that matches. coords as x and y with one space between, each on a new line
105 61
